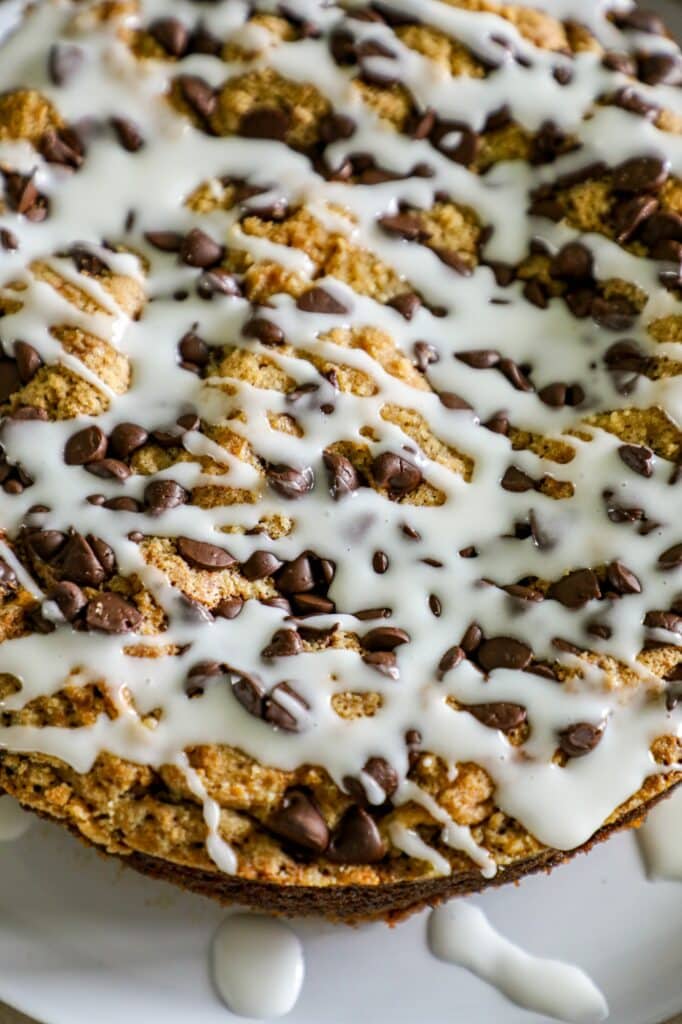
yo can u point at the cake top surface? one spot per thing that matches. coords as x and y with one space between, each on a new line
341 392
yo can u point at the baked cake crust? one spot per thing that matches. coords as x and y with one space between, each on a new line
340 564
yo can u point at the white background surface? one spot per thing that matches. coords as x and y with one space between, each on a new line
83 941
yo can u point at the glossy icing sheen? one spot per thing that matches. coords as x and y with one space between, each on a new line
460 933
561 805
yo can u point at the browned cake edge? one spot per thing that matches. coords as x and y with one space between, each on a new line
354 904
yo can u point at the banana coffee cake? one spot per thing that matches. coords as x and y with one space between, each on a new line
341 465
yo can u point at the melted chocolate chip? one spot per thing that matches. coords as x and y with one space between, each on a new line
580 739
290 483
638 458
499 715
575 589
342 476
110 613
395 473
207 557
503 652
356 839
260 564
162 495
317 300
385 638
298 819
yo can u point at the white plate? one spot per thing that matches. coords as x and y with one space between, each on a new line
83 940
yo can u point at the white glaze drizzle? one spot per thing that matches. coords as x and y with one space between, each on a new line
562 806
257 966
660 839
460 933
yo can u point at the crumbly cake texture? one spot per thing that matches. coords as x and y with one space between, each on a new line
341 559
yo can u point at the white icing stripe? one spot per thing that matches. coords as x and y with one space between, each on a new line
660 839
562 806
459 933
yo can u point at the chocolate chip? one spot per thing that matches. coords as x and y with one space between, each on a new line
395 473
384 662
63 63
615 314
297 576
128 134
217 281
79 563
451 400
425 354
405 225
553 395
639 20
110 613
29 412
622 579
126 438
200 675
265 331
166 241
24 197
259 565
356 839
515 375
454 260
290 483
8 240
198 95
573 261
381 772
28 361
385 638
69 598
229 608
171 35
435 606
249 691
10 381
313 604
641 174
200 250
516 481
472 639
122 504
317 300
580 739
109 469
660 69
299 820
479 358
162 495
575 589
503 652
664 620
265 123
61 147
456 141
638 458
628 216
193 349
278 714
451 659
625 355
46 543
407 304
500 715
285 643
662 227
671 559
341 474
615 60
335 127
380 562
207 557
